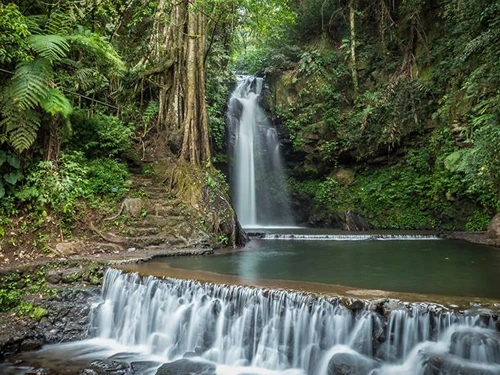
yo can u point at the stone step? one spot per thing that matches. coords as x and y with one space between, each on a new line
147 240
135 231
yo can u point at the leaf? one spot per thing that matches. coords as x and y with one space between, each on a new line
3 157
452 161
55 102
13 160
51 47
29 84
12 177
21 128
2 191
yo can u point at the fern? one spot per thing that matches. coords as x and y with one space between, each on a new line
56 103
60 23
21 127
51 47
99 47
29 84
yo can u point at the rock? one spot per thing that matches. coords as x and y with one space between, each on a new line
31 344
139 367
354 222
185 366
133 206
71 275
69 248
345 177
351 364
356 305
387 352
108 366
476 345
493 232
53 276
447 364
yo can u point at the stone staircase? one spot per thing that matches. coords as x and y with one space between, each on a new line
152 218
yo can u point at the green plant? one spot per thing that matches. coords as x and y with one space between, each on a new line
99 135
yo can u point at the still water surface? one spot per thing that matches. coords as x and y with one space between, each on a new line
444 267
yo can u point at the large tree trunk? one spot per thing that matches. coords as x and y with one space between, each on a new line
195 145
175 62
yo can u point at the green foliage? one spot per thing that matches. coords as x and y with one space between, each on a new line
10 173
62 189
99 135
13 32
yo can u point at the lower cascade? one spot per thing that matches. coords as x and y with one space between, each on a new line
233 330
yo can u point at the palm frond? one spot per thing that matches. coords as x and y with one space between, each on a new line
51 47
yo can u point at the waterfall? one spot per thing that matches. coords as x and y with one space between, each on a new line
250 330
258 183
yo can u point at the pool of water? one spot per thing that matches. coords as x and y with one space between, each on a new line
399 263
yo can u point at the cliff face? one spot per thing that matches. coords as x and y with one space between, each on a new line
414 126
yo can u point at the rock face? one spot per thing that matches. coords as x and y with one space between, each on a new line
66 320
493 232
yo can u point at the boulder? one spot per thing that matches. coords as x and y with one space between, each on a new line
107 367
476 344
448 364
351 364
69 248
185 366
493 232
133 206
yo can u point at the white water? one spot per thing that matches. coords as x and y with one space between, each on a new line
249 330
349 237
257 176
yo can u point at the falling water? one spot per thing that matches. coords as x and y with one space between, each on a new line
257 175
249 330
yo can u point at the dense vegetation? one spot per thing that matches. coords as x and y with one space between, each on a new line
404 94
391 107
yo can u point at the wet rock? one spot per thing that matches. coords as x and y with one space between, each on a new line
109 366
355 222
447 364
477 345
493 232
387 352
351 364
88 371
356 305
140 367
31 344
186 366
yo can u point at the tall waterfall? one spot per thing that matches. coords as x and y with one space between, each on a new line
249 330
258 183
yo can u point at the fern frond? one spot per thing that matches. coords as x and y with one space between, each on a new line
59 23
55 102
98 46
52 47
29 84
21 127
